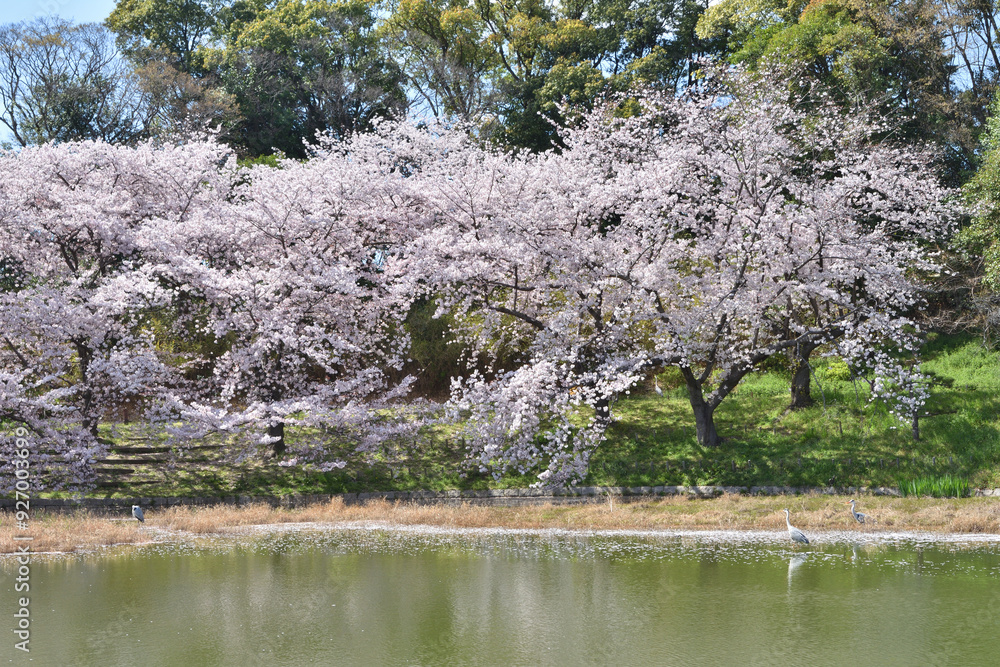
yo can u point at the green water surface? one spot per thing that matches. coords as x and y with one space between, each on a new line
411 597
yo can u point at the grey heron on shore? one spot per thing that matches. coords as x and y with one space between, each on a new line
794 533
858 516
137 513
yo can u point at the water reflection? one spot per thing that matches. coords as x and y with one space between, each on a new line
793 565
358 597
794 562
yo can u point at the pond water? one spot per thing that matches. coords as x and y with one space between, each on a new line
378 596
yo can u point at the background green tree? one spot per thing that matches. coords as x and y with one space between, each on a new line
509 65
173 30
65 82
917 60
297 68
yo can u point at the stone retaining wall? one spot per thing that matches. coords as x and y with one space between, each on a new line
579 494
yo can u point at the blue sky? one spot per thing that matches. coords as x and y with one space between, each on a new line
78 11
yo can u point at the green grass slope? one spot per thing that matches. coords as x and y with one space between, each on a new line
843 440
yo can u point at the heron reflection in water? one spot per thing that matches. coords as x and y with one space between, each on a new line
794 562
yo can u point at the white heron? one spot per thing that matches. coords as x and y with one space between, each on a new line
858 516
137 513
794 533
656 387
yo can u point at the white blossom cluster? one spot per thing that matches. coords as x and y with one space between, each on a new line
708 233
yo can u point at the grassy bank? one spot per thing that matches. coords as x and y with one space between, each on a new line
841 441
87 530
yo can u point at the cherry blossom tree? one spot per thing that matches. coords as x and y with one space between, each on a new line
278 275
292 271
75 342
708 233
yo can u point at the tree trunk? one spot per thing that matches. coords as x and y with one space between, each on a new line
277 431
602 412
704 413
801 395
704 420
91 420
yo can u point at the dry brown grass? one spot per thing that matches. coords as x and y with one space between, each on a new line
84 530
80 531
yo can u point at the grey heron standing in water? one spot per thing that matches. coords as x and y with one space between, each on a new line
137 513
858 516
794 533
